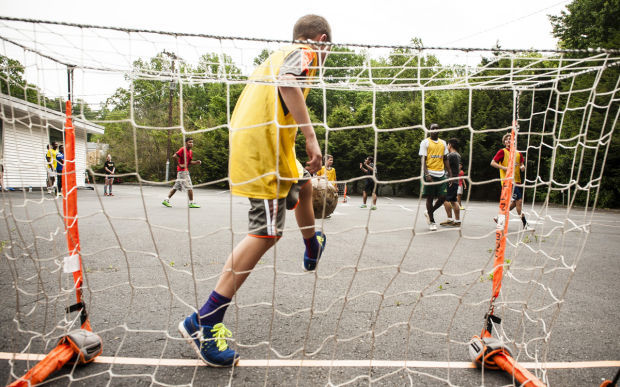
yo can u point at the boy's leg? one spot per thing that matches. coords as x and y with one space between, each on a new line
457 212
364 197
304 214
59 184
448 207
440 201
429 208
205 330
374 199
240 263
519 205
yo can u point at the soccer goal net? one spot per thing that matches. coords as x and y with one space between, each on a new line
392 302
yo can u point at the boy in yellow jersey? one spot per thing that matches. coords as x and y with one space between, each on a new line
433 152
328 171
500 161
263 168
52 163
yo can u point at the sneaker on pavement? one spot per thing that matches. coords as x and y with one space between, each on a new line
428 218
432 226
194 205
462 208
373 207
166 203
448 222
210 343
363 206
310 263
527 227
456 224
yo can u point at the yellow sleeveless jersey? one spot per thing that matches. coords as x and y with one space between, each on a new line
330 173
434 155
51 153
260 147
517 169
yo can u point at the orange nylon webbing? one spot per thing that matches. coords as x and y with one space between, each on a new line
69 191
502 218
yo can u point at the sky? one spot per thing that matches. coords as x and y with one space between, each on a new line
440 23
453 23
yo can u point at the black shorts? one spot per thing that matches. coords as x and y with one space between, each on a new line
370 186
452 191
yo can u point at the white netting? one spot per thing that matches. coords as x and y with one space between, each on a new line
387 289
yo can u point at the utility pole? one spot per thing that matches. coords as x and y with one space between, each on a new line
172 57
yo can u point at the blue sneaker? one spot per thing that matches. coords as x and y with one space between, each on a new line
310 263
209 342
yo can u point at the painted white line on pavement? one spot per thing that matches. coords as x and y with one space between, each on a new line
319 363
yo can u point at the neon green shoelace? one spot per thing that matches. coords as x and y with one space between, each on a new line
220 333
320 239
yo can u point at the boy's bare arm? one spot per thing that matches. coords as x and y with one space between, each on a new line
427 177
296 103
176 157
494 164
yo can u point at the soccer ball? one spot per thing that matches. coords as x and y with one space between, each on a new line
324 197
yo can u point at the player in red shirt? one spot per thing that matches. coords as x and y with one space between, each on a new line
184 182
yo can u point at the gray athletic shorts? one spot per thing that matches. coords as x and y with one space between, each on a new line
266 216
183 182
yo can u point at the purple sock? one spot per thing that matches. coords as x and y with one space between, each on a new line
312 247
212 312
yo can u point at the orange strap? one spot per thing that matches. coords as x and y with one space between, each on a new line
54 361
63 352
502 218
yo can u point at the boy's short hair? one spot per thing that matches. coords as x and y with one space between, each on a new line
454 142
507 135
309 26
434 126
370 158
188 139
327 157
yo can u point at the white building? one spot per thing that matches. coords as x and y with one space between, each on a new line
26 130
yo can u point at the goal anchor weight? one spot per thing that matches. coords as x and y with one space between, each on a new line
81 346
490 353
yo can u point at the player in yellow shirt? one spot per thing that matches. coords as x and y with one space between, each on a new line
433 152
263 167
500 161
51 163
328 171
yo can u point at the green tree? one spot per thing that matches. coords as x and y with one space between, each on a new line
588 24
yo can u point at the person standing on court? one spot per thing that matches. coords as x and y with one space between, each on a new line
368 167
433 152
500 161
184 182
52 163
60 166
451 204
109 169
